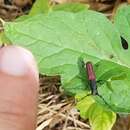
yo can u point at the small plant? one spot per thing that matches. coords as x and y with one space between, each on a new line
63 38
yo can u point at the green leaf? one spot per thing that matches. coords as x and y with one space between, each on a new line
84 105
101 118
4 39
114 83
63 42
122 21
40 6
0 38
70 7
22 18
116 88
43 6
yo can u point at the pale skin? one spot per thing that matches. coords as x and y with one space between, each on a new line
18 89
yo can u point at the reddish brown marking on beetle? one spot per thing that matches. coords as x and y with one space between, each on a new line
90 71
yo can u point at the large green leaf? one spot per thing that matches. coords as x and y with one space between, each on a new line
62 42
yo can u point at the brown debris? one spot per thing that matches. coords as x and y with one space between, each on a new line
56 110
1 1
123 123
101 6
98 5
8 12
128 1
21 3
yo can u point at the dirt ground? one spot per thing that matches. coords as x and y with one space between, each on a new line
55 110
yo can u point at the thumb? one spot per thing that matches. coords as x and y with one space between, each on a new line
18 89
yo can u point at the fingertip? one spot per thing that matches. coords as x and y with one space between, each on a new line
17 61
18 89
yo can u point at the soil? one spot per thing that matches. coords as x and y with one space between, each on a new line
56 110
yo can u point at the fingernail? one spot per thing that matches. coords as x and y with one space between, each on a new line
16 61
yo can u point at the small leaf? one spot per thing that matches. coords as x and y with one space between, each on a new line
101 118
40 6
43 6
70 7
84 105
4 39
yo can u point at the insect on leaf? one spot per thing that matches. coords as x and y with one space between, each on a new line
63 42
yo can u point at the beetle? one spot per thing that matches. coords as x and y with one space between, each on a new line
91 78
93 83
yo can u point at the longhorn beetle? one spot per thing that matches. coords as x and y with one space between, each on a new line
91 78
92 81
91 74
